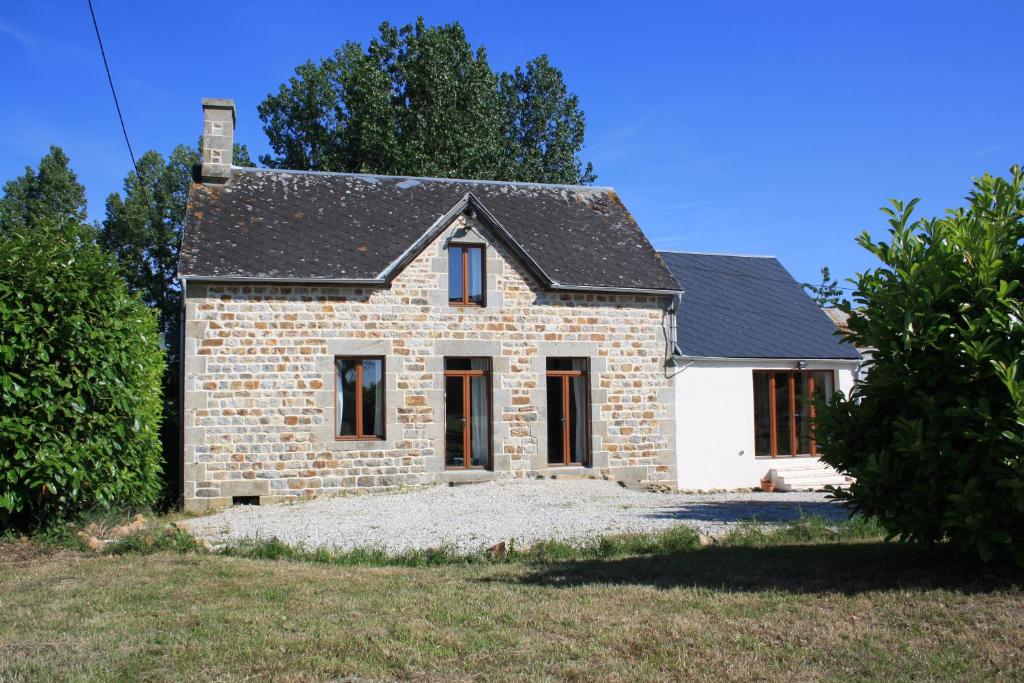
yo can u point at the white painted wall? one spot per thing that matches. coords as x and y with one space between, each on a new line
715 419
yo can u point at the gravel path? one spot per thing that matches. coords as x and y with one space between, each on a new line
479 515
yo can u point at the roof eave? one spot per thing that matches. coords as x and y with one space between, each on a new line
755 359
383 283
255 279
559 287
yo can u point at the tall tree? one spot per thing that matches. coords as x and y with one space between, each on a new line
143 227
420 100
544 126
49 194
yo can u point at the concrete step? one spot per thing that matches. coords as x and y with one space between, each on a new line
568 472
456 477
802 466
809 477
804 475
808 484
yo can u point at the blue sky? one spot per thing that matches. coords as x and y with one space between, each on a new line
742 127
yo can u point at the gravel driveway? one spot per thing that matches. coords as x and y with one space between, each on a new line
471 516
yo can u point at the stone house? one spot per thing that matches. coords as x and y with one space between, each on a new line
347 331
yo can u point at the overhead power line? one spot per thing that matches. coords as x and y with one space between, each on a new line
113 91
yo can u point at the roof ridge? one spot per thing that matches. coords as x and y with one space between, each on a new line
715 253
514 183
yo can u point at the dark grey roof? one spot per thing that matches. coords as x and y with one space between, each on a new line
270 224
749 307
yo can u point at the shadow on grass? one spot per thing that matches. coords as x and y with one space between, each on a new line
847 568
759 510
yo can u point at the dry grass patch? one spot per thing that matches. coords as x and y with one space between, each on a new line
856 610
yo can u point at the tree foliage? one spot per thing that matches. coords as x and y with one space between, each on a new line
50 193
420 100
143 227
828 293
935 434
80 370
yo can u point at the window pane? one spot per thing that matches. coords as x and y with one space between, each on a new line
480 417
455 423
823 390
455 274
578 419
783 445
457 363
478 363
556 421
762 415
803 413
476 276
567 364
373 398
346 396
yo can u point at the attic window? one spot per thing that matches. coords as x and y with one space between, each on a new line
466 275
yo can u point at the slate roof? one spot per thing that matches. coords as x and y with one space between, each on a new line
749 307
288 225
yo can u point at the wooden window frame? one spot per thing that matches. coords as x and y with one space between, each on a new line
566 438
359 435
465 302
467 411
773 426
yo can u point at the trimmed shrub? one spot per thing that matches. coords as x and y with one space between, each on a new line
935 435
80 371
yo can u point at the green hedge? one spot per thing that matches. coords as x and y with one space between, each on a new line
80 372
935 436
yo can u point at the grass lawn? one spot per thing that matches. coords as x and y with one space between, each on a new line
849 610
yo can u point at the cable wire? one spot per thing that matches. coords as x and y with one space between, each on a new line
117 105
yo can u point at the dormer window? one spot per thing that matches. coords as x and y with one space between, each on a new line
466 275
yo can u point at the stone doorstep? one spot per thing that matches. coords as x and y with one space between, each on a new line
568 472
459 477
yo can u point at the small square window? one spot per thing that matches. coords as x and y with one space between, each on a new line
466 276
359 398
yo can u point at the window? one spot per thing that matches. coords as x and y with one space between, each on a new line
784 410
359 398
568 408
466 275
467 412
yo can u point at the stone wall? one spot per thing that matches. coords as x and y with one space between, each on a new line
259 378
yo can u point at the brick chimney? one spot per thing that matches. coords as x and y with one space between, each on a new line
218 139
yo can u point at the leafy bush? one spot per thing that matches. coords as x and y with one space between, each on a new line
80 371
935 435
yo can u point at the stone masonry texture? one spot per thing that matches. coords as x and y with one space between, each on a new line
259 404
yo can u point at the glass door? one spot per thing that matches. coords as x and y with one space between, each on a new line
568 408
784 410
467 413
